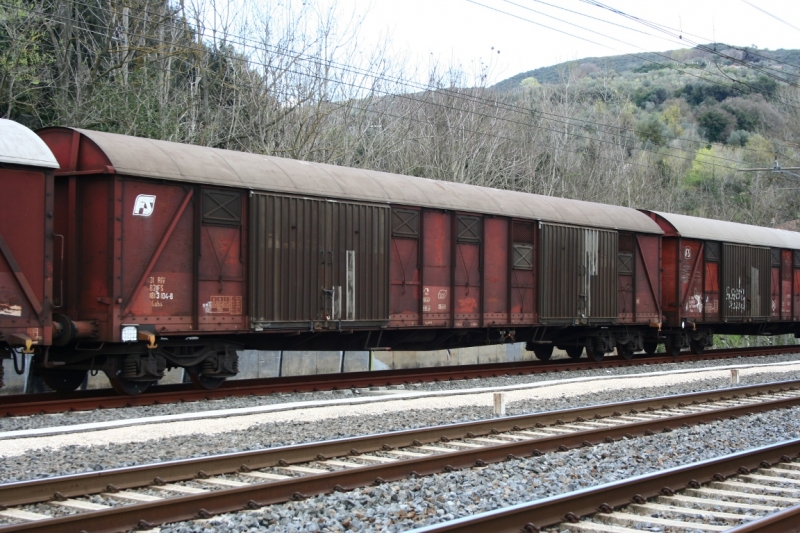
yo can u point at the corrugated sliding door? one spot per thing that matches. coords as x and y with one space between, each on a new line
578 274
317 260
746 280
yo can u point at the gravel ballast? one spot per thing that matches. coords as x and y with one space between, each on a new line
84 417
404 505
34 458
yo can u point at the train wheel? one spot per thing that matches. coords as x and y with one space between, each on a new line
592 352
543 352
201 381
625 351
574 352
696 347
129 387
671 346
650 347
63 379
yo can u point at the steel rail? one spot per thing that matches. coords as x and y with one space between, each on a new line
533 516
257 495
50 403
786 521
93 482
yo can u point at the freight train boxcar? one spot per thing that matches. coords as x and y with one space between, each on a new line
26 240
725 277
180 255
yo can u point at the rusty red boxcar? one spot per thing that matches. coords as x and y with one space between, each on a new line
26 241
725 277
179 255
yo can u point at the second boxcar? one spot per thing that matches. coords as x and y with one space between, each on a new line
726 277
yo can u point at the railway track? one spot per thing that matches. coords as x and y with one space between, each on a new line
749 492
51 403
141 497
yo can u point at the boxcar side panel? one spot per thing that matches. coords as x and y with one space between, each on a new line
404 268
522 294
691 279
578 274
221 269
746 281
317 261
626 270
25 253
670 265
495 271
158 251
436 270
93 278
711 286
648 288
467 282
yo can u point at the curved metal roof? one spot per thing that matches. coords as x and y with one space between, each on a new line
21 146
733 232
137 156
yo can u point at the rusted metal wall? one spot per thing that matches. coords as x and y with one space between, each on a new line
88 276
467 278
691 279
437 250
495 271
648 276
157 252
523 272
221 265
669 279
711 302
578 274
26 226
404 270
638 287
626 272
746 282
315 260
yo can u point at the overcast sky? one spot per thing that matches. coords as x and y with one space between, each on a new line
467 33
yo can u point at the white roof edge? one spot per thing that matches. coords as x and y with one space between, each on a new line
21 146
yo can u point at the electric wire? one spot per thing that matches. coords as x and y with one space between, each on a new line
460 95
771 15
243 41
733 87
679 35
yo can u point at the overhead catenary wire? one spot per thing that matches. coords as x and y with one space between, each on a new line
668 58
560 119
464 129
779 19
357 86
733 87
672 40
678 34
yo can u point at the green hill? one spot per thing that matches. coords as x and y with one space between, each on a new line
787 61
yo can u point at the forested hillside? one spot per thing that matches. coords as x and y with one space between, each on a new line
649 132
